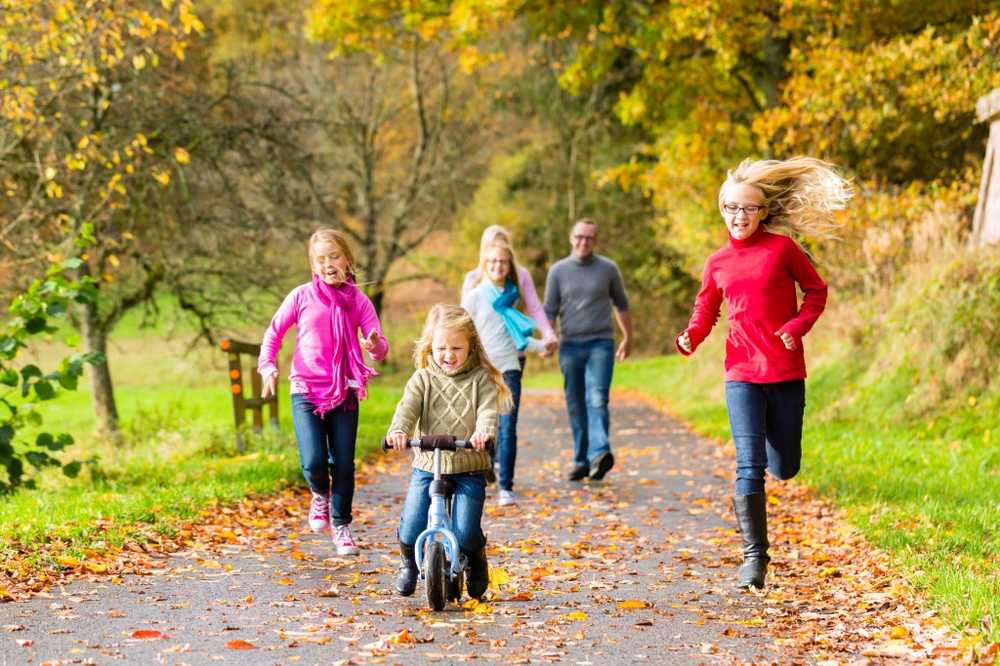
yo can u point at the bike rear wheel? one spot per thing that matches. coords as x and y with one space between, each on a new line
435 575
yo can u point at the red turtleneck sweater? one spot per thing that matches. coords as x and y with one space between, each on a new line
757 277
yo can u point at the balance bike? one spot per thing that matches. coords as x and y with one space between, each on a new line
439 559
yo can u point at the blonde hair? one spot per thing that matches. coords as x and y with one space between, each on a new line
326 234
489 237
457 318
512 269
801 193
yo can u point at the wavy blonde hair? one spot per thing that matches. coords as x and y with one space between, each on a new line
802 193
489 236
339 238
512 269
457 318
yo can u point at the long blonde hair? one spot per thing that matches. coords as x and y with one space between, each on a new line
498 244
489 236
339 238
802 193
457 318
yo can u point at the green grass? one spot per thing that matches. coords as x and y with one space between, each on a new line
925 489
177 453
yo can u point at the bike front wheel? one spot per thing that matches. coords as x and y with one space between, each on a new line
435 575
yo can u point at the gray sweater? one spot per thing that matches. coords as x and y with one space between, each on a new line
580 294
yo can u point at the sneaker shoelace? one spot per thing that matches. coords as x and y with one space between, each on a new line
320 508
343 536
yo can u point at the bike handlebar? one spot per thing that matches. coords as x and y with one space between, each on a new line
431 442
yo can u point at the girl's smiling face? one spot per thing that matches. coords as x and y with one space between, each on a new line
329 262
497 266
449 348
739 200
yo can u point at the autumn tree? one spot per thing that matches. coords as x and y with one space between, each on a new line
126 141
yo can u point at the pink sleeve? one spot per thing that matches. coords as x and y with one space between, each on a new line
813 289
282 320
368 322
469 281
706 311
532 304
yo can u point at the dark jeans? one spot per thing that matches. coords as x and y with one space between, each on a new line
326 449
466 509
507 432
766 422
587 367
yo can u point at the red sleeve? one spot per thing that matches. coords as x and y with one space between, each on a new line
814 292
706 309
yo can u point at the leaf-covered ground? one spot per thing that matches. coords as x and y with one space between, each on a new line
637 568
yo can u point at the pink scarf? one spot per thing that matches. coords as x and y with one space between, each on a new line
345 356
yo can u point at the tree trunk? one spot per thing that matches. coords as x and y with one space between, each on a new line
96 340
378 294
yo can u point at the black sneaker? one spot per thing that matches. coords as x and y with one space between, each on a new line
579 473
601 466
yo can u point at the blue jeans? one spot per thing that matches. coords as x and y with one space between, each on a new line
326 449
507 432
586 367
466 509
766 423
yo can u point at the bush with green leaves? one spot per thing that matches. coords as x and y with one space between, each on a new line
31 315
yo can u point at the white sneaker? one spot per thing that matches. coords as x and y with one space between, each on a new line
506 498
343 540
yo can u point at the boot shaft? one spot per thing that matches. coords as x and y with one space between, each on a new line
751 521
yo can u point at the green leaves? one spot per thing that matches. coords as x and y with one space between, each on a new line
31 315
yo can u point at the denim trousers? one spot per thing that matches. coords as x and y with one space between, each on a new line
766 423
587 367
466 509
326 449
507 432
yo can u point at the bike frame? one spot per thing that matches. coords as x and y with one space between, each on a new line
439 527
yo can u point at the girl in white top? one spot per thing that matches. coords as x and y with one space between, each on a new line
505 332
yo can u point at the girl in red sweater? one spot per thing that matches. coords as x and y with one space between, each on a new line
756 274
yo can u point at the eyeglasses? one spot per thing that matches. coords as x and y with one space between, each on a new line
580 237
733 209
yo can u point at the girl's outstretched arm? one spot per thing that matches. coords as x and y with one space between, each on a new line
374 341
533 306
410 406
814 292
486 409
287 314
706 312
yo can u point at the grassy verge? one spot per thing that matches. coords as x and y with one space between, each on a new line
924 489
179 458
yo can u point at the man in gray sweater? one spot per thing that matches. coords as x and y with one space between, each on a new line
580 292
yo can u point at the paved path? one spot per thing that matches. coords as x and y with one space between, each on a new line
635 569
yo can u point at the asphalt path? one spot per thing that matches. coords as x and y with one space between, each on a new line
637 568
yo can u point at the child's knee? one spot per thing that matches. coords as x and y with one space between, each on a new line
784 471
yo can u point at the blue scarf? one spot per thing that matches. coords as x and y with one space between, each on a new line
518 324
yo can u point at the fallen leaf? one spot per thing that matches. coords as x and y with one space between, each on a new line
147 634
240 644
633 604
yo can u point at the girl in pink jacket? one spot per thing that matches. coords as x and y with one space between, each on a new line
328 377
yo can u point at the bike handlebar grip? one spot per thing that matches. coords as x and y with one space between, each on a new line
385 445
443 442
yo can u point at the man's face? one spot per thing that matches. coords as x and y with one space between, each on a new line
583 238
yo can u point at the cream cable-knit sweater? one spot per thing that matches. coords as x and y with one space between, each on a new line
461 404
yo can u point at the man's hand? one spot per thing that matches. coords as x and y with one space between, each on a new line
684 342
479 440
397 440
624 349
788 340
267 390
